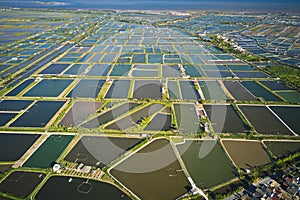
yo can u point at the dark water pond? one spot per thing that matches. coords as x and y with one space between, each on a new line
20 87
14 105
13 146
225 119
87 89
39 114
238 91
54 69
282 148
147 89
20 183
259 91
257 116
48 88
59 187
290 116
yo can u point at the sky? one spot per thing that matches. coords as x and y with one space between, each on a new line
254 5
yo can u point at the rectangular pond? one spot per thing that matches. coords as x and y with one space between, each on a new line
186 118
257 115
39 114
48 88
255 74
87 88
147 89
146 67
144 73
239 92
55 69
241 67
170 71
282 148
290 96
118 89
60 187
289 114
225 119
259 91
6 117
161 122
155 58
193 71
212 91
16 144
152 171
219 74
76 69
139 58
120 70
108 58
64 59
21 183
246 154
96 57
206 162
173 90
49 151
275 85
98 48
20 87
14 105
99 70
188 90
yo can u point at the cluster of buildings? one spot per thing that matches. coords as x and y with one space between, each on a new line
269 189
283 185
292 185
81 168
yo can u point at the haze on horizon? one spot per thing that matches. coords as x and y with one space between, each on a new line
250 5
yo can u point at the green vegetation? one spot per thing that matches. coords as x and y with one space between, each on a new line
177 139
288 74
19 34
226 47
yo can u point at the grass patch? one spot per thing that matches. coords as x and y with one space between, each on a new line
288 74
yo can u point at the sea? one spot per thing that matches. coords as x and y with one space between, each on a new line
241 5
